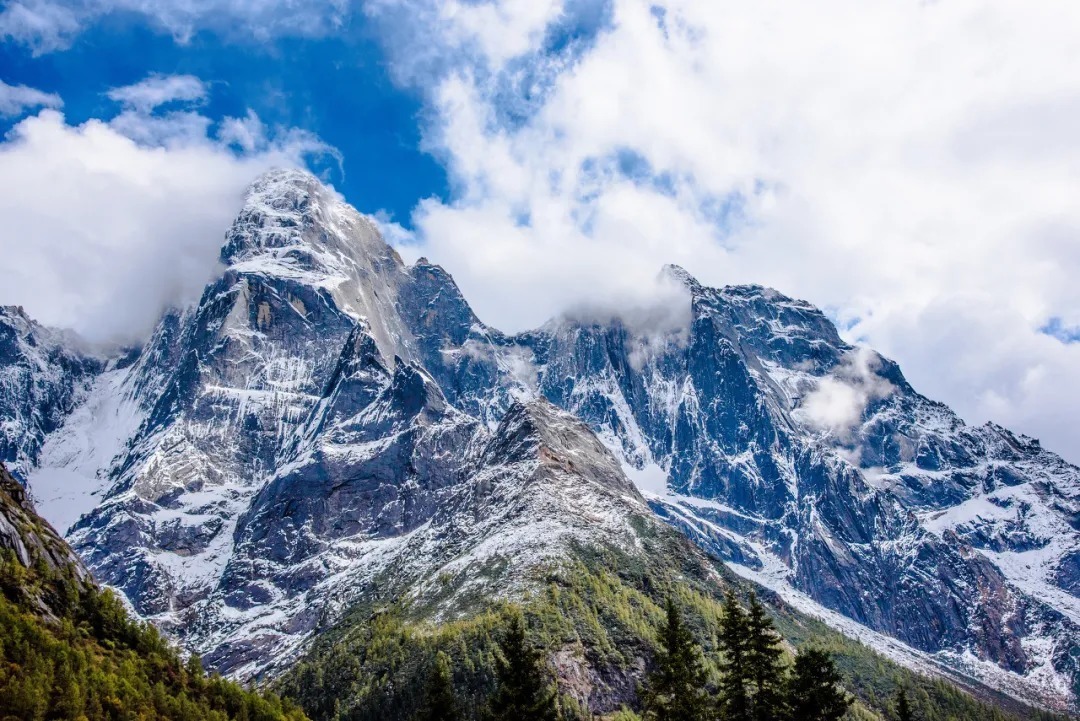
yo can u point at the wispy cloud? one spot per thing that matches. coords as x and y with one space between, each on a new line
157 90
17 99
50 25
837 404
42 25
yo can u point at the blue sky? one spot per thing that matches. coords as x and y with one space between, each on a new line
337 87
913 167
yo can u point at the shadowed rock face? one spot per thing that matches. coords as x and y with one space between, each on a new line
880 515
34 542
43 375
328 423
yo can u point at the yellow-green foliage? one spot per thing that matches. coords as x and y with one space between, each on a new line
604 608
68 650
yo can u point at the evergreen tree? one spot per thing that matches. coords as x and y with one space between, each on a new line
903 709
763 663
440 704
676 690
814 692
524 691
733 700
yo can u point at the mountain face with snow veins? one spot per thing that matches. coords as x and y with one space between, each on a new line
42 379
329 425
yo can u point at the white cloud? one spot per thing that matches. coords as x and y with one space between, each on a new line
913 167
157 90
17 99
109 222
838 402
246 133
50 25
43 25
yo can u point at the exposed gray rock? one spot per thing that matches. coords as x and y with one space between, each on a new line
328 424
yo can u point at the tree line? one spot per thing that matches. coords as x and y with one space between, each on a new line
69 650
754 682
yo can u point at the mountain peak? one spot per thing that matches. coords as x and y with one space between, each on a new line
280 210
680 275
538 429
281 180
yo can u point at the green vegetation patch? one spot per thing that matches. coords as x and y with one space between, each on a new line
69 650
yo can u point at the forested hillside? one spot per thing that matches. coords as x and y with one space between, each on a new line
601 629
69 649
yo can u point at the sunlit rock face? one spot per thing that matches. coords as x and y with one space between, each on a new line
328 423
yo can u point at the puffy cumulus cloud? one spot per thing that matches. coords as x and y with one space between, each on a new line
17 99
50 25
109 222
912 167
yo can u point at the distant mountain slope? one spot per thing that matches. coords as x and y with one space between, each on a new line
596 617
321 427
813 465
43 376
69 650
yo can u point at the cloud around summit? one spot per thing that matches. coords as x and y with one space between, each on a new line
110 222
910 167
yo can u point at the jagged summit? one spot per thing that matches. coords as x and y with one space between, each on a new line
13 311
536 428
328 421
679 275
292 209
683 277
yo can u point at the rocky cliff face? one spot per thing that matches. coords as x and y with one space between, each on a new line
328 423
43 376
32 540
812 465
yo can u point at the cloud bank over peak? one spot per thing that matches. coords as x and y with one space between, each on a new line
911 167
109 222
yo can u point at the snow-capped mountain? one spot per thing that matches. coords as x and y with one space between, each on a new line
812 466
43 377
329 422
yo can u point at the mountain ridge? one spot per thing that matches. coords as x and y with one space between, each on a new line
318 354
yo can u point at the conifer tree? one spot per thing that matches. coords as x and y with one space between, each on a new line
524 691
676 690
903 709
733 700
440 704
814 692
763 663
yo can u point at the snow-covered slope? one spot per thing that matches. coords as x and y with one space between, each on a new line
329 424
280 447
43 376
787 450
